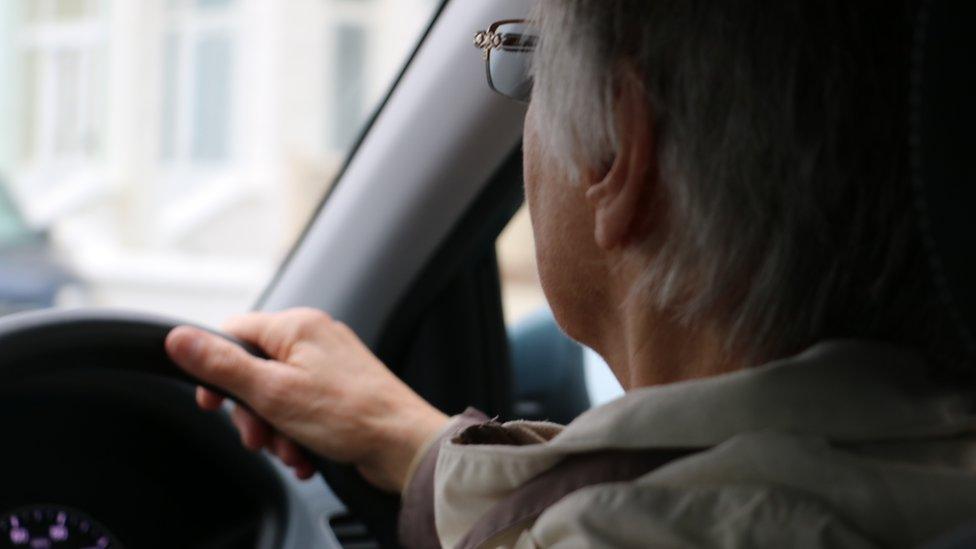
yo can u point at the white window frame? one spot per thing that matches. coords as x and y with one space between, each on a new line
48 181
333 14
378 35
189 23
193 190
47 39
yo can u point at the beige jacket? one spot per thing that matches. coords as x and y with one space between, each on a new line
844 445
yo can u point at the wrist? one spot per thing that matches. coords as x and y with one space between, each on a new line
402 437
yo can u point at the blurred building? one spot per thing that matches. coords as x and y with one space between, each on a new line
173 149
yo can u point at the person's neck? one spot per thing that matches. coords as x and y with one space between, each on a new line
645 347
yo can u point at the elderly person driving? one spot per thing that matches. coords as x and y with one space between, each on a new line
721 206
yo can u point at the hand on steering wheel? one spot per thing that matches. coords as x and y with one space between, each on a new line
321 388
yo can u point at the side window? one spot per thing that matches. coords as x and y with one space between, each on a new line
554 377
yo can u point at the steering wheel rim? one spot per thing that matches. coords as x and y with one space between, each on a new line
31 344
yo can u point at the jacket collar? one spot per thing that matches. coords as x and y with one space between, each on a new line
841 390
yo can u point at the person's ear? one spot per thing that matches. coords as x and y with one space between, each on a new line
619 199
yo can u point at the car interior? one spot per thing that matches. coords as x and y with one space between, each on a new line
102 433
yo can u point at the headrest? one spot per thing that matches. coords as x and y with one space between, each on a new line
944 152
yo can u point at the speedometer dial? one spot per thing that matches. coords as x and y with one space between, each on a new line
52 527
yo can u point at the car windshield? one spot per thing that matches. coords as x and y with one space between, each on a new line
169 152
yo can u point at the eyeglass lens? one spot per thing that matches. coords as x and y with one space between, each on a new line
509 64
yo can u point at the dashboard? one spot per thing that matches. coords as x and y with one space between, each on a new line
50 526
108 458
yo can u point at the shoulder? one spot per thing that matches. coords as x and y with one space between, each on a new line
731 516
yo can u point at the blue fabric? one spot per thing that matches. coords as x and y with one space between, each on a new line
547 368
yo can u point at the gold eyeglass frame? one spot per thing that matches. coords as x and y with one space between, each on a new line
490 39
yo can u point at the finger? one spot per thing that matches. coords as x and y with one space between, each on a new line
276 333
255 433
208 400
256 329
287 451
292 455
304 471
248 326
303 463
217 361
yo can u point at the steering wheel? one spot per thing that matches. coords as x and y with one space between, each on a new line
51 341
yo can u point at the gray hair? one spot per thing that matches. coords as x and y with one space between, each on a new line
782 146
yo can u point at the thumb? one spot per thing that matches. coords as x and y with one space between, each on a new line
214 360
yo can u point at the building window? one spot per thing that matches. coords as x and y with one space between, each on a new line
198 73
348 84
211 94
61 57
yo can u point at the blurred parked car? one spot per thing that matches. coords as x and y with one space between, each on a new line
31 274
